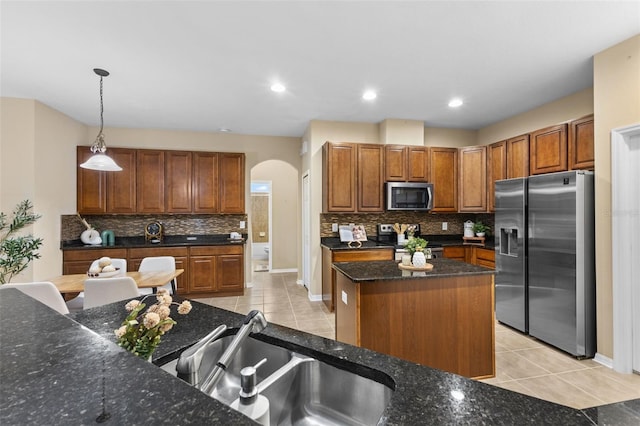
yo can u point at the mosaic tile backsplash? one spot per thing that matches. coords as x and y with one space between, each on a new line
133 226
430 223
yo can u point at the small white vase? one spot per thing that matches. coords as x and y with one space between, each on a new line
479 234
418 259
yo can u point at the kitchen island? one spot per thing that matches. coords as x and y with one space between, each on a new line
442 318
60 369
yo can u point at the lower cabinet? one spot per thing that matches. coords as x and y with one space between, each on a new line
356 255
471 254
208 270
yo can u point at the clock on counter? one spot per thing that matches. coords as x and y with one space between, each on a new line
153 232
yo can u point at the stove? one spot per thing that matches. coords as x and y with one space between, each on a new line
387 235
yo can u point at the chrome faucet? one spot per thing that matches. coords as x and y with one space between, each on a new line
254 322
188 365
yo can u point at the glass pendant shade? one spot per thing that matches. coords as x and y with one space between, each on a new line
101 162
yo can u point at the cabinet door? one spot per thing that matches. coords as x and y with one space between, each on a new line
581 144
229 273
205 182
395 163
182 282
370 178
417 164
496 170
456 253
121 186
202 273
548 150
231 180
339 177
518 157
473 179
91 185
150 181
444 176
177 193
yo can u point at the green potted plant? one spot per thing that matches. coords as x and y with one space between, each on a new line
480 229
415 243
16 251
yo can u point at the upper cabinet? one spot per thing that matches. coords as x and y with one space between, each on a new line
548 150
443 170
352 178
472 179
518 157
580 145
496 170
406 163
159 181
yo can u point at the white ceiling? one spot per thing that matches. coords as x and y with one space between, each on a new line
206 65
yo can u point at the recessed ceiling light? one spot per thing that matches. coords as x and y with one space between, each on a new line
455 102
277 87
224 129
369 95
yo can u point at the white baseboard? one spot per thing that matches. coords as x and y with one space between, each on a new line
315 297
282 271
299 282
601 359
248 285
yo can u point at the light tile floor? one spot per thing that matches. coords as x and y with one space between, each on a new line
523 364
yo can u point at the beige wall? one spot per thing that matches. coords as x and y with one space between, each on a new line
617 104
38 163
449 138
285 237
564 109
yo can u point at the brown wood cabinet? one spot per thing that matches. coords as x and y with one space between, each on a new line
370 180
548 150
406 163
496 170
581 144
473 179
231 178
177 181
216 269
150 181
518 157
205 183
91 186
121 186
456 253
352 178
475 255
443 169
208 270
356 255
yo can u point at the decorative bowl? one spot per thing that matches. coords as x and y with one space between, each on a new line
104 274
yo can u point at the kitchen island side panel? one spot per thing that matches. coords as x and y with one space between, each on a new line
446 322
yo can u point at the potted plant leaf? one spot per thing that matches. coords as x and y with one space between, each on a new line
16 251
480 229
415 243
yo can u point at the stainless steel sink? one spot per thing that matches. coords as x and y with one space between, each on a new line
301 390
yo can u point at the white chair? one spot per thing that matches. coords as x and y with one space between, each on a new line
159 263
102 291
44 292
77 303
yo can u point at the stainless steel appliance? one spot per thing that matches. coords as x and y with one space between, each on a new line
409 196
545 269
386 234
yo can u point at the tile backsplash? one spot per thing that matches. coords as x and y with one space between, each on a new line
133 225
429 223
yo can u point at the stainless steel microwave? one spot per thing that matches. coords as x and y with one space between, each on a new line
409 196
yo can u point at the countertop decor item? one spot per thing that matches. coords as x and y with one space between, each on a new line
153 232
480 229
414 243
17 251
100 160
141 331
418 260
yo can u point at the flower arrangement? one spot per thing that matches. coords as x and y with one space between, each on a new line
415 244
411 229
141 331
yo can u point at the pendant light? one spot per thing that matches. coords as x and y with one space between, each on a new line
99 160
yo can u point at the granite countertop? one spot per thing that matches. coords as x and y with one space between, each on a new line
334 243
381 270
53 368
167 241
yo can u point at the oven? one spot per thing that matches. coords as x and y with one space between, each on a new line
387 235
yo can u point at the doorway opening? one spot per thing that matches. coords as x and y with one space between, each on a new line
261 226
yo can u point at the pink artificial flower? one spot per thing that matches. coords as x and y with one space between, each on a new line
151 319
184 308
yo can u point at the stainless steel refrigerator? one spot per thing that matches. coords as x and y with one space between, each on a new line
545 268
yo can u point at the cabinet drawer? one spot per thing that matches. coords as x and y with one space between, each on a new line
454 252
139 253
485 254
362 255
93 254
215 250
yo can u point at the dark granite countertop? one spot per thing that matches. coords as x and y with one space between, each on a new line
335 244
381 270
53 369
167 241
